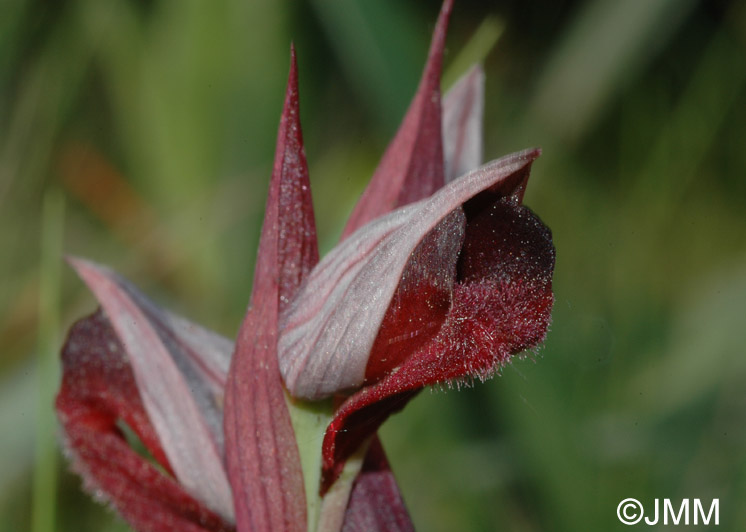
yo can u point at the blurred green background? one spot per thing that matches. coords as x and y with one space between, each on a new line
140 134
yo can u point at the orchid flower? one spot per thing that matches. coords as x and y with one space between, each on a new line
441 277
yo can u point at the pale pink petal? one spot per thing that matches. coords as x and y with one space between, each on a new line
183 405
98 393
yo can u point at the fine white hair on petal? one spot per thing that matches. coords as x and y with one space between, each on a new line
331 324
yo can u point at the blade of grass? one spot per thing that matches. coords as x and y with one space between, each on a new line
45 464
607 44
475 50
690 133
16 446
379 46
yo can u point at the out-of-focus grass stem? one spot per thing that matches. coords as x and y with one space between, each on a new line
47 365
475 50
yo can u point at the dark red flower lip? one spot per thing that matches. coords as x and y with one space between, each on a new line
476 289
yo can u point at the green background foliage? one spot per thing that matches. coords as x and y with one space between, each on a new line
140 134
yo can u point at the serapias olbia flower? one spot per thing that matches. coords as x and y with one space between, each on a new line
442 275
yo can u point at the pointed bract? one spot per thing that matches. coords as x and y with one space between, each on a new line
262 455
375 503
180 386
97 394
412 166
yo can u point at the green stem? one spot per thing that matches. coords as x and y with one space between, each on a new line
47 365
310 421
480 44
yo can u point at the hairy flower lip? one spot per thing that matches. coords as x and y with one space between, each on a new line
327 334
501 305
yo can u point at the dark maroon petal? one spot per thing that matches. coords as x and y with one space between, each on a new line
463 108
98 392
375 502
501 306
412 167
262 455
331 325
422 298
179 369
